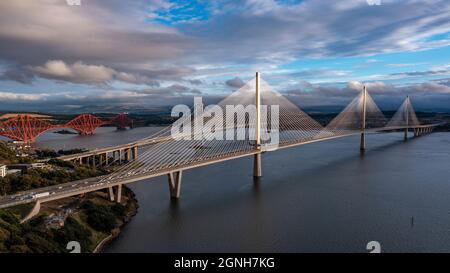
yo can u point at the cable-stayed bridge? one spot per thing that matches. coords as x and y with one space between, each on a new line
252 120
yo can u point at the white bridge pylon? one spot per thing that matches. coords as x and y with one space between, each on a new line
405 116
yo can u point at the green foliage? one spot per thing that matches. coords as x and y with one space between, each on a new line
48 153
99 217
61 163
119 210
61 172
73 231
7 156
34 237
71 151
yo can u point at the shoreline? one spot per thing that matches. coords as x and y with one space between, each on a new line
116 232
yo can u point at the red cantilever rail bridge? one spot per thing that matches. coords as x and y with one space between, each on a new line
27 128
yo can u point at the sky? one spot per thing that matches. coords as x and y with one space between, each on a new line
114 55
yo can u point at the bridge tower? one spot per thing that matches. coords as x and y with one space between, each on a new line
407 117
362 146
257 171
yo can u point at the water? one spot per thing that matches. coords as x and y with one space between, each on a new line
104 137
321 197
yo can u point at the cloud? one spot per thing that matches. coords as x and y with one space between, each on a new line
235 82
79 72
271 31
10 96
423 73
195 81
429 95
103 41
99 31
17 74
170 91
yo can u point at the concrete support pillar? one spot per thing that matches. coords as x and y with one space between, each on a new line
93 161
257 170
106 159
80 160
111 193
362 145
119 193
135 153
174 179
128 153
120 156
407 117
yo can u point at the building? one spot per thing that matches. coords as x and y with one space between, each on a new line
2 170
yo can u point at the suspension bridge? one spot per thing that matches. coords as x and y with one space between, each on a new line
238 126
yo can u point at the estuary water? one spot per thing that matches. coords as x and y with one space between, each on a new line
321 197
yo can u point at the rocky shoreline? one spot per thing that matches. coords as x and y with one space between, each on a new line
116 232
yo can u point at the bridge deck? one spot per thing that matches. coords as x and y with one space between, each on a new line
197 158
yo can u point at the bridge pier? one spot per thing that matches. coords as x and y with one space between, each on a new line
135 152
362 144
257 170
114 156
406 134
174 179
128 154
111 193
119 193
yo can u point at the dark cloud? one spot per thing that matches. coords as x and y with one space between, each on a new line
106 32
195 82
77 72
235 82
17 74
